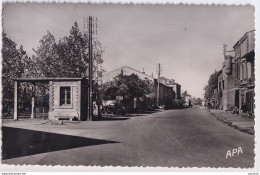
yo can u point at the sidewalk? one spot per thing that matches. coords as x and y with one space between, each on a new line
241 123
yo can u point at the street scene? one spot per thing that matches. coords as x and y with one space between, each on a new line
180 138
128 85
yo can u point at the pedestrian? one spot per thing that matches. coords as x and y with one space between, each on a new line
244 109
189 104
209 105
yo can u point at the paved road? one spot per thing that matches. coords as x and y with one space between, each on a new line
178 138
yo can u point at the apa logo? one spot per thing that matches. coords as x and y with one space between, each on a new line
234 152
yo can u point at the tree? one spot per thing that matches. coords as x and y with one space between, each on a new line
14 62
67 57
212 84
185 93
199 101
130 87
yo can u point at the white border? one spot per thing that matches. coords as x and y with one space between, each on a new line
63 169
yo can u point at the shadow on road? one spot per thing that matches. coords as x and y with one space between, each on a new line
110 118
143 113
23 142
135 115
149 111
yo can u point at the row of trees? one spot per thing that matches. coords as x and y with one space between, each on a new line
66 57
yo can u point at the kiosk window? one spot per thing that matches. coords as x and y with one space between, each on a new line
65 98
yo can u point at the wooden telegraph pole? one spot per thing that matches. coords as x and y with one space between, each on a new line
90 91
158 88
224 50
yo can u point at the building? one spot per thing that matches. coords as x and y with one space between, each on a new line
125 70
244 72
68 97
226 98
177 90
175 86
166 92
236 82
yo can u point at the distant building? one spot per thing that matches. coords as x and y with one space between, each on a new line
177 89
166 86
166 93
125 70
175 86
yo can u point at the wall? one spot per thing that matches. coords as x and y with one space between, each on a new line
165 93
57 111
247 43
177 90
227 79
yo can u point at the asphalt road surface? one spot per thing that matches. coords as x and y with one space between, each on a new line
172 138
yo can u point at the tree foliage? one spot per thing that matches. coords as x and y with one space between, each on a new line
67 57
212 84
128 86
14 63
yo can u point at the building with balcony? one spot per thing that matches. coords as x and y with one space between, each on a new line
244 73
236 81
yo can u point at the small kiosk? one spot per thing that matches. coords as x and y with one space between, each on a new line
68 97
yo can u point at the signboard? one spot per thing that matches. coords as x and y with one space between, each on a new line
119 97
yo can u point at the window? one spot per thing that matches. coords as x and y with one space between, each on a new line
245 72
65 98
223 84
249 70
238 70
242 72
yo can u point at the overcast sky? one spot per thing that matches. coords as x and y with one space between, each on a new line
186 39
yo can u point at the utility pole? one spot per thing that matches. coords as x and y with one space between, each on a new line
90 50
158 88
224 50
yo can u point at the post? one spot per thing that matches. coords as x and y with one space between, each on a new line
33 102
224 50
158 88
90 100
99 102
50 97
16 84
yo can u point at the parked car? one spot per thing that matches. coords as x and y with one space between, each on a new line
186 105
113 107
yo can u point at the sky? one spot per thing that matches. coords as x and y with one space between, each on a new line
186 39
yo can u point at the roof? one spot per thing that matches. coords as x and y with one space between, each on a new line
164 78
128 68
242 38
46 79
